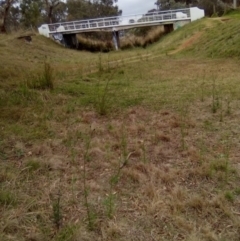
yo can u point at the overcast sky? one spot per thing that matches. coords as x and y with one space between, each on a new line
135 6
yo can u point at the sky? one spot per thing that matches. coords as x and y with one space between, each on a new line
135 6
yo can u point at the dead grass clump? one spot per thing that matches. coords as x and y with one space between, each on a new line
209 234
143 168
162 137
11 227
11 114
175 123
150 191
157 205
88 117
94 45
166 178
113 231
193 154
96 154
136 41
196 202
184 225
94 186
133 175
126 44
131 41
54 163
153 36
177 207
193 236
179 193
195 174
41 149
136 151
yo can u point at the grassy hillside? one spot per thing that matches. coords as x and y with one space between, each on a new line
131 145
216 37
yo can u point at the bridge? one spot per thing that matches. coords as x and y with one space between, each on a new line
172 18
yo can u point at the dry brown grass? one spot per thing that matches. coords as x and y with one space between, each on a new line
170 195
153 35
94 45
142 182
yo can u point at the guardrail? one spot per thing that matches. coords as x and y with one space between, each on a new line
118 21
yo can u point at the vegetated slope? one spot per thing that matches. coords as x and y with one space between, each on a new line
216 37
220 40
130 145
19 57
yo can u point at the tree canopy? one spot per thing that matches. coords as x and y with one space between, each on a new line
29 13
210 6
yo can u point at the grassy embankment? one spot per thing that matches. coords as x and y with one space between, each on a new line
132 145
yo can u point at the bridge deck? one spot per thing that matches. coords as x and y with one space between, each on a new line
120 22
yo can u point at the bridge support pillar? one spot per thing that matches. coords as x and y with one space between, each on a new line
70 41
116 39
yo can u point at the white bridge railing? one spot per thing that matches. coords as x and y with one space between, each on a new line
119 22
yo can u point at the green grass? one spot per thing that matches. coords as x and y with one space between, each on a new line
7 198
147 112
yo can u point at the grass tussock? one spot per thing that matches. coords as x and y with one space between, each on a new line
94 45
43 80
152 36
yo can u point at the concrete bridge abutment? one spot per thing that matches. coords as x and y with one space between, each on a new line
71 41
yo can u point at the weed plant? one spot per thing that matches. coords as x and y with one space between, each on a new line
91 215
57 213
42 81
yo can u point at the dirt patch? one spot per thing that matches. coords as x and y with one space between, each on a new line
225 19
187 43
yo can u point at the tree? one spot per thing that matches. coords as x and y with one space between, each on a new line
106 8
31 12
78 9
210 6
82 9
170 4
50 6
5 7
215 7
60 12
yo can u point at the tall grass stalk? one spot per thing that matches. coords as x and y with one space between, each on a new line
102 100
183 125
228 111
215 97
123 161
100 65
57 215
90 212
202 91
226 154
109 201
